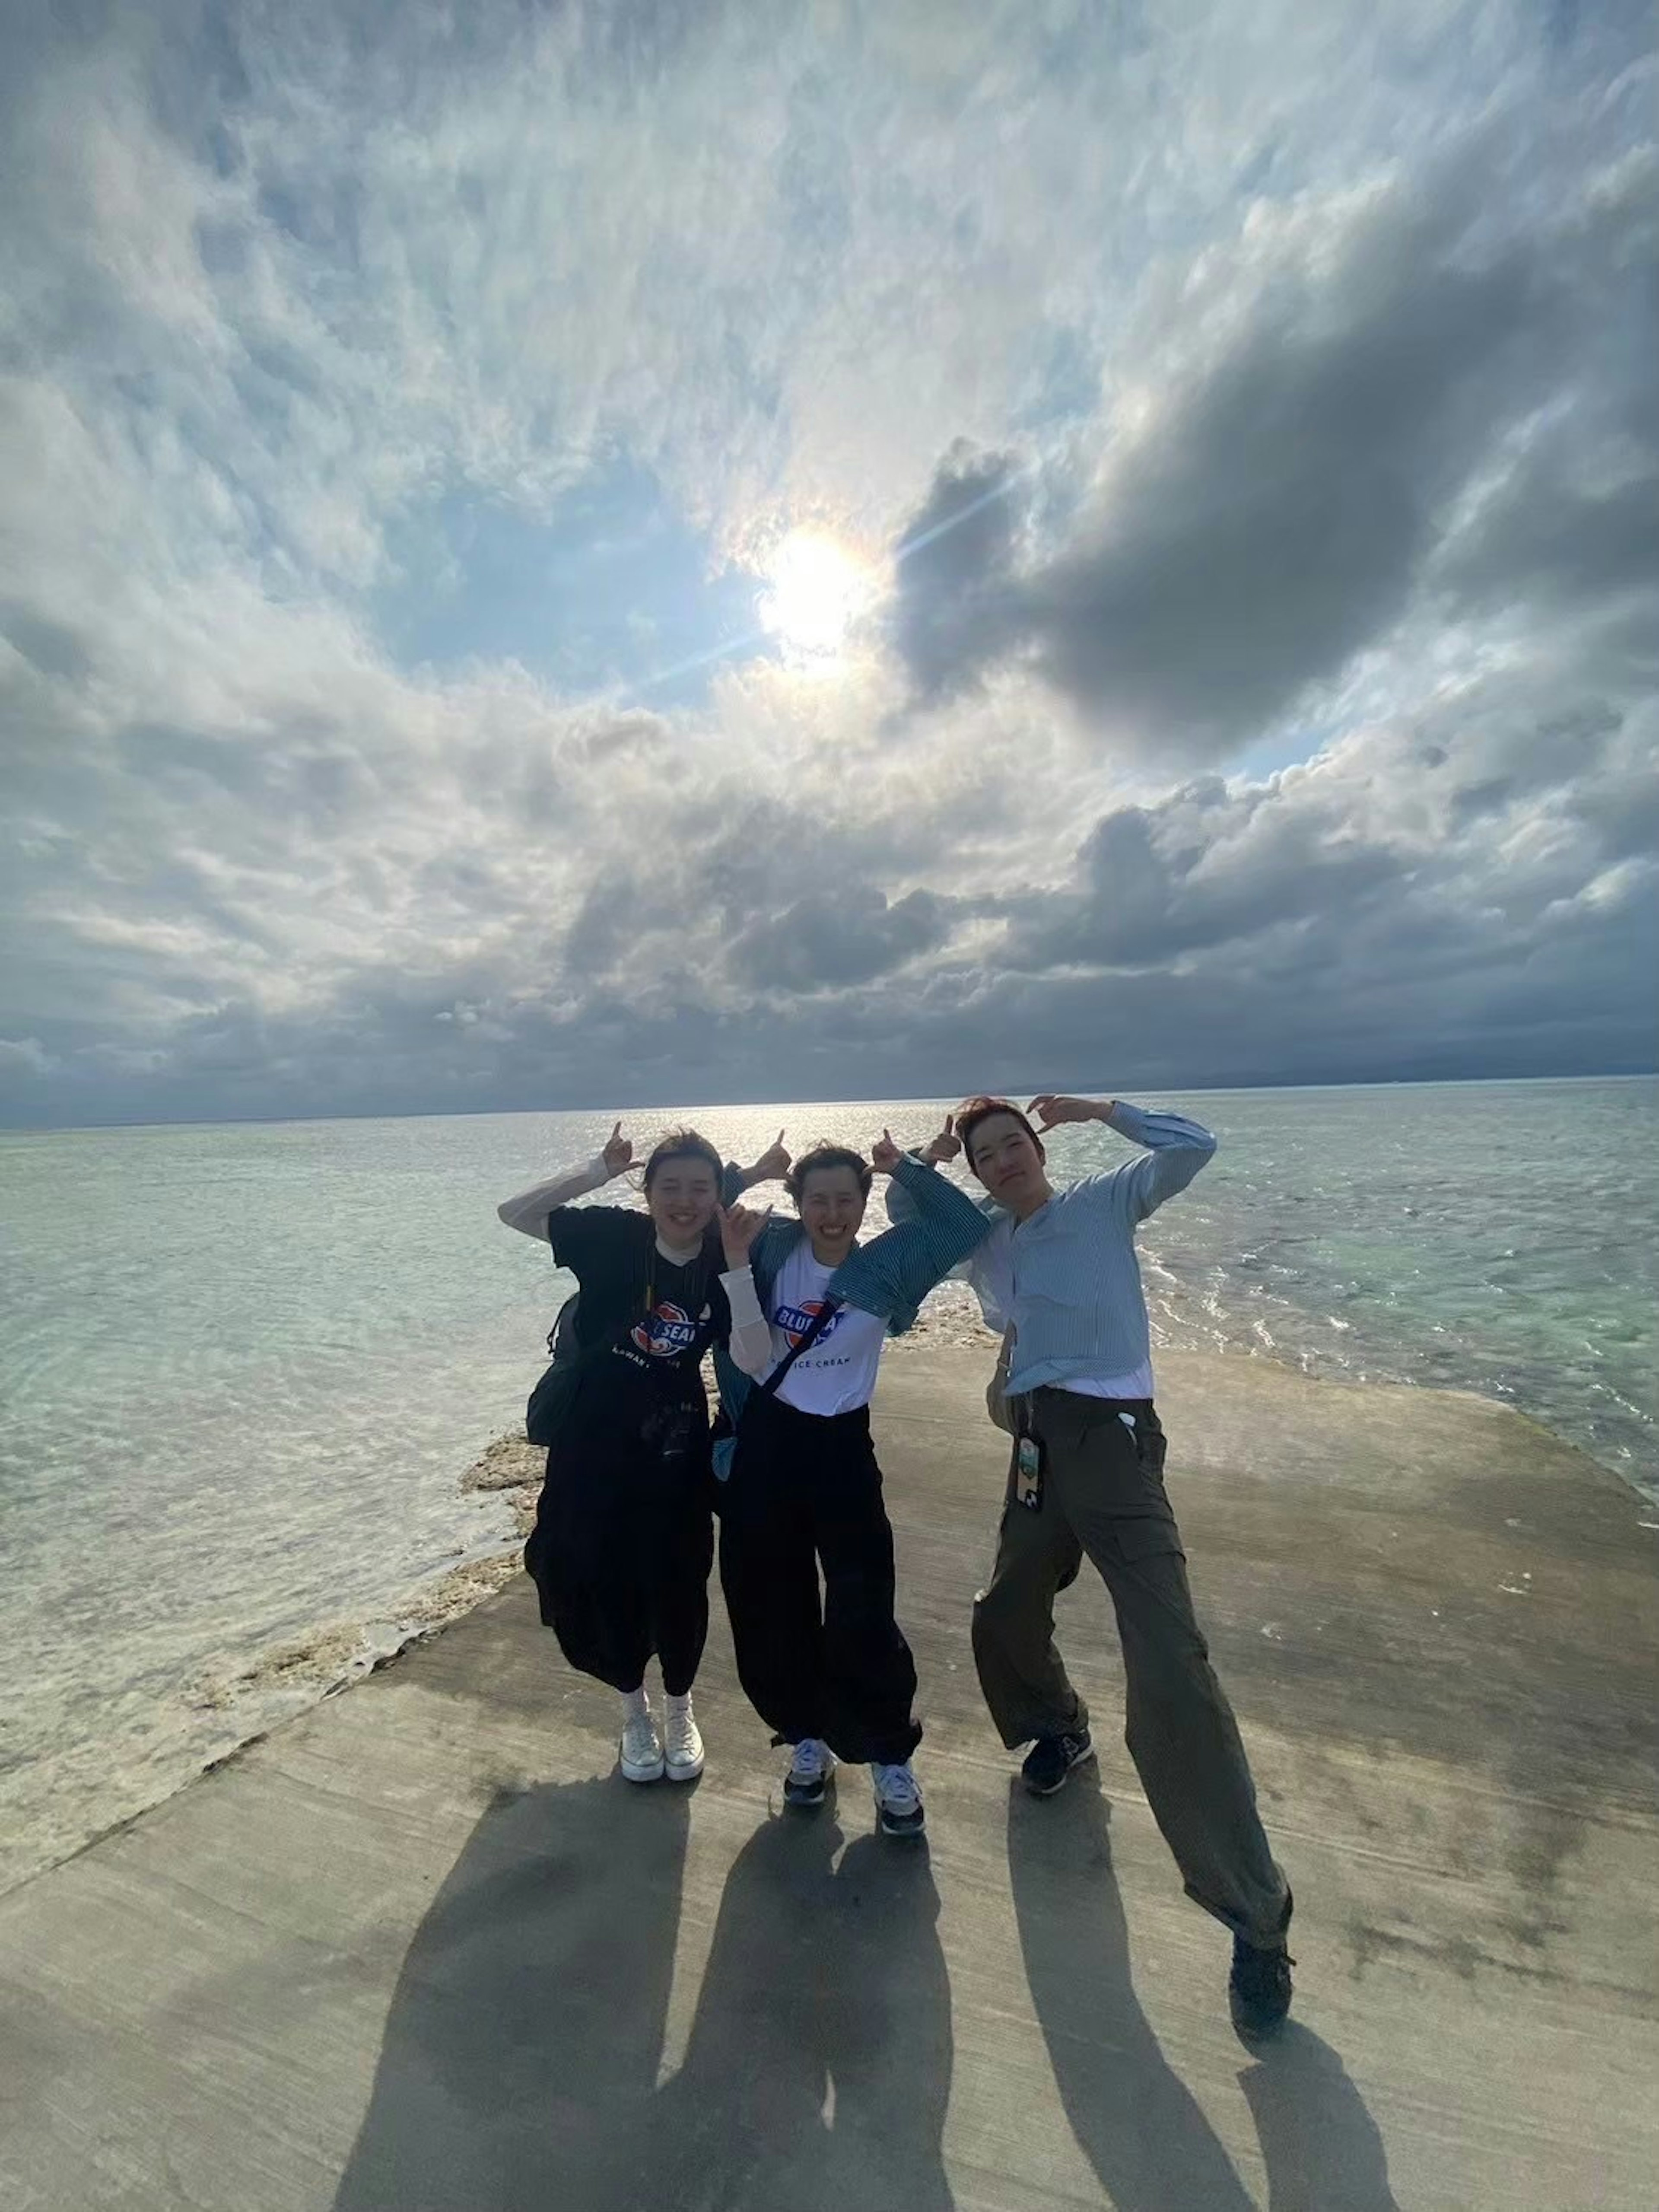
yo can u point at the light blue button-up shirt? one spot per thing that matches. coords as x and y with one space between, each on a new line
1068 1278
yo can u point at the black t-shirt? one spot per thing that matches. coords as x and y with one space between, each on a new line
659 1318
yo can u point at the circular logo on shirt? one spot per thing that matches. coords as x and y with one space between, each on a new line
795 1321
666 1329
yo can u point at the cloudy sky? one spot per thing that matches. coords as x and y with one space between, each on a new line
632 551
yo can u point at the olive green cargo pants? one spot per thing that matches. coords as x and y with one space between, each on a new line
1102 1495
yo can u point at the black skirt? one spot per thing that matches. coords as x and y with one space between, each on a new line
624 1541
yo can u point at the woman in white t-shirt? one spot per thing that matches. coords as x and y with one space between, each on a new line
833 1678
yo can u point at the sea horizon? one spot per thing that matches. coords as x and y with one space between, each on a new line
892 1099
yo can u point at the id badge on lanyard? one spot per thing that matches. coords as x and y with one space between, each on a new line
1028 1460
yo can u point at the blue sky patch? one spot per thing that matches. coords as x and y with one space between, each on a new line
610 588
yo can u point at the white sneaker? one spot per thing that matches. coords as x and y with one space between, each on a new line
898 1801
812 1763
640 1756
682 1742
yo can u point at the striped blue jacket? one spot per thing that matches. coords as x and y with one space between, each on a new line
888 1277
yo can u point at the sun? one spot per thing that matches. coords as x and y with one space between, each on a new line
815 591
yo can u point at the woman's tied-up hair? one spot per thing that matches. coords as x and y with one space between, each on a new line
828 1156
682 1145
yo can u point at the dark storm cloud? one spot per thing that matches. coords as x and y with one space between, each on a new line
1555 538
1277 513
1160 883
1468 889
953 606
787 892
836 939
1393 902
1426 829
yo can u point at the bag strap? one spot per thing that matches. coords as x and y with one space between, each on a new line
564 1319
821 1321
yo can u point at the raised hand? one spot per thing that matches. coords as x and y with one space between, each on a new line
740 1226
885 1155
945 1146
1051 1107
618 1152
771 1165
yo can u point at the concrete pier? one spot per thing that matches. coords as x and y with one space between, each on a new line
422 1951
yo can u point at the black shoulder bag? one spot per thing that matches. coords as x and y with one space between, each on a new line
549 1401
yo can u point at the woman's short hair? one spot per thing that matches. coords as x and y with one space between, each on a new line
827 1156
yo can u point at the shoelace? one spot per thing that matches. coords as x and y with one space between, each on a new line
682 1728
896 1787
810 1760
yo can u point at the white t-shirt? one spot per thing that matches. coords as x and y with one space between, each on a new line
838 1373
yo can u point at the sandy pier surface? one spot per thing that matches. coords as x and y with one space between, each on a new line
420 1948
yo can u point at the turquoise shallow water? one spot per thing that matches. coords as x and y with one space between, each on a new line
243 1367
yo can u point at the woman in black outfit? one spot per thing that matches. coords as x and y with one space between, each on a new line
623 1539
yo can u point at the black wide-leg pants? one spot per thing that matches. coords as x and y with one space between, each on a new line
805 1494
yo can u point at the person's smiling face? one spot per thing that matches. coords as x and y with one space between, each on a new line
682 1199
832 1207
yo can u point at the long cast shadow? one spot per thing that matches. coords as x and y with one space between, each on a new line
519 2062
519 2066
817 2070
1140 2126
1324 2149
1136 2121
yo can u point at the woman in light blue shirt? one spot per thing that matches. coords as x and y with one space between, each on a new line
1060 1277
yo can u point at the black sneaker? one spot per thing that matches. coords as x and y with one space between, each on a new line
1052 1758
1259 1988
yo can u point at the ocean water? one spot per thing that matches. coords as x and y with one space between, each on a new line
243 1368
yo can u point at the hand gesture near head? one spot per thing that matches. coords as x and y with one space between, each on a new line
1051 1107
618 1152
774 1162
740 1226
945 1146
884 1154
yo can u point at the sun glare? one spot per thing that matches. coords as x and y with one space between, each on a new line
814 592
